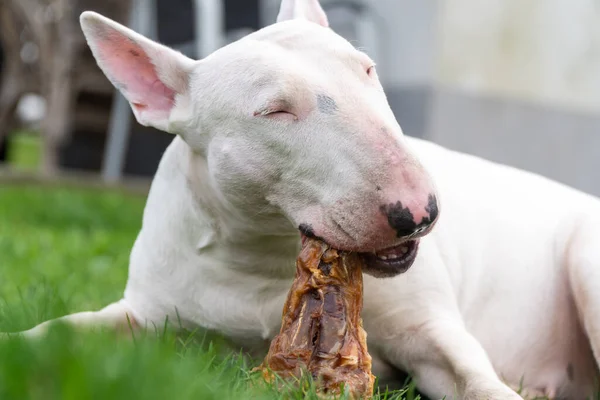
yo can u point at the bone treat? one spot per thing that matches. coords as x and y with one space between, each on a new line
321 332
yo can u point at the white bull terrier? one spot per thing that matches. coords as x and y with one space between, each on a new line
288 130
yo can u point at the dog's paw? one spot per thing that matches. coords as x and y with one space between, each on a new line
492 395
480 390
533 394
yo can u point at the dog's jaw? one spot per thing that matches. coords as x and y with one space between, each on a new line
267 245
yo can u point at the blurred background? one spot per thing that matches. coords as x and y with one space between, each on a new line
514 81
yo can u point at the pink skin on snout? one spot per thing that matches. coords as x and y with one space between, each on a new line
384 225
399 203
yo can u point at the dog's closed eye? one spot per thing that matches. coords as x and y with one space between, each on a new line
276 110
275 114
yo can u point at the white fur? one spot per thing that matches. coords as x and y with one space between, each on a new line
306 9
505 289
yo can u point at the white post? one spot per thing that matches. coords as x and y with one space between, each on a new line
210 26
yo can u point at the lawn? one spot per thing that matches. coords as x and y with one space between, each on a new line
66 250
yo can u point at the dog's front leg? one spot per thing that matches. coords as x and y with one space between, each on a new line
446 360
116 316
415 324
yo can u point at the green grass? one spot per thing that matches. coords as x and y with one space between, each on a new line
25 150
66 250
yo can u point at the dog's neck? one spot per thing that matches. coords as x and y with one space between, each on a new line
214 227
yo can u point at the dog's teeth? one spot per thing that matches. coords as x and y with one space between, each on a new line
394 254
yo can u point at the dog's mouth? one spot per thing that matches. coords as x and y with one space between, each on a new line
391 261
384 263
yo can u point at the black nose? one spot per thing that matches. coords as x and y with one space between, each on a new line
401 219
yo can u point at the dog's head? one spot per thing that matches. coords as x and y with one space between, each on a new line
292 121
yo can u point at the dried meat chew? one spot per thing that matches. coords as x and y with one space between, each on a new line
321 331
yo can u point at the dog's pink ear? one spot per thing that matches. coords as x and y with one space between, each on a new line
306 9
152 77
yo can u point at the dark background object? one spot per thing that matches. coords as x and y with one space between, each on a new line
85 149
3 142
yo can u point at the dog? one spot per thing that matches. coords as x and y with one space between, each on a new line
288 132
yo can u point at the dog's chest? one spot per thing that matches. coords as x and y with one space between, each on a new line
245 307
211 290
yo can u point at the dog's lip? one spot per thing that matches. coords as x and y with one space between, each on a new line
392 260
383 268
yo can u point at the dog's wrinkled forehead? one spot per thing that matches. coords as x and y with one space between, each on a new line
291 42
303 35
288 57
